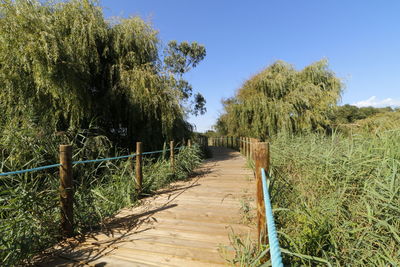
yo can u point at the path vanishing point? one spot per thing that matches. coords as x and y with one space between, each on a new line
186 224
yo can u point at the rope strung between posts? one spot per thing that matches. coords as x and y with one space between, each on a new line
100 160
275 250
84 161
31 170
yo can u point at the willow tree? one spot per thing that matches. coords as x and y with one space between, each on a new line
282 99
63 65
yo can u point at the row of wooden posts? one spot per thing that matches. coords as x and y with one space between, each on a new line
257 151
66 179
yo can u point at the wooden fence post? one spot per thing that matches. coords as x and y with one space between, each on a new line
248 147
189 143
255 142
164 151
261 155
251 148
245 146
139 173
172 152
66 191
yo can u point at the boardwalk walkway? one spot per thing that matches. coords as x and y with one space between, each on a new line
185 225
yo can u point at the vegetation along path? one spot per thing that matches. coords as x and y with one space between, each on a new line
188 224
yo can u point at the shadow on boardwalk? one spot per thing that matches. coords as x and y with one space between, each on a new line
182 225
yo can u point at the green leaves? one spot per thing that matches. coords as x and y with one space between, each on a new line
343 198
282 99
63 65
184 56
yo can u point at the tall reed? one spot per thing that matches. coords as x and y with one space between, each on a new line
337 198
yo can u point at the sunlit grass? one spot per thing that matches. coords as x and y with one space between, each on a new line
341 197
336 201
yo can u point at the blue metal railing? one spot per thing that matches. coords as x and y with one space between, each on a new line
275 250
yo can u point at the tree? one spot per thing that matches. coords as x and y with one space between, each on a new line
350 114
282 99
180 59
64 66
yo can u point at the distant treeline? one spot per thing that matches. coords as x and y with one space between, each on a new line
281 99
350 114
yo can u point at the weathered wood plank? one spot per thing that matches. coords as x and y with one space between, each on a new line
185 224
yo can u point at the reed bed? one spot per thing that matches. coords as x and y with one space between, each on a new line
337 199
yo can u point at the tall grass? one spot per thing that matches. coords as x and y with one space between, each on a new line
340 198
336 201
29 203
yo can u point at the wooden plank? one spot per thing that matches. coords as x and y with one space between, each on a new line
185 224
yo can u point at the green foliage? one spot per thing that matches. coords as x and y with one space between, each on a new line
29 203
69 76
350 114
282 99
340 199
63 65
184 56
246 252
210 133
380 120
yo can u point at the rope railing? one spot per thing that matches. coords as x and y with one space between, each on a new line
84 162
31 170
258 153
275 250
66 178
104 159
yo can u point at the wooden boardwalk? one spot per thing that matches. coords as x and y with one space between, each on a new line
187 224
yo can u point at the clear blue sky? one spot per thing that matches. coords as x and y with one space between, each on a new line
360 38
